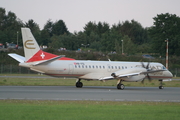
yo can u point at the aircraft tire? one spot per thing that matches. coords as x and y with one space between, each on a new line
120 86
79 84
161 87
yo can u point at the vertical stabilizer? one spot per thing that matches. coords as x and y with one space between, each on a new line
31 47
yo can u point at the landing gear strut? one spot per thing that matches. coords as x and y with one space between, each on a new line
161 85
79 84
119 85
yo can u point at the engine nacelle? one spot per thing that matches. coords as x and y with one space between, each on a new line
134 78
128 74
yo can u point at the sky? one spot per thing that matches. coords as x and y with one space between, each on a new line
77 13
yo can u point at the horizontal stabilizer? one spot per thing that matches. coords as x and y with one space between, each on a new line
17 57
48 61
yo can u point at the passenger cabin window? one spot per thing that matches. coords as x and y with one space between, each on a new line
103 67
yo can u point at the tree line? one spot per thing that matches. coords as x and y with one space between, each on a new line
99 36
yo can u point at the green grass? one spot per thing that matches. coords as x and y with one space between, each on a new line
87 110
71 82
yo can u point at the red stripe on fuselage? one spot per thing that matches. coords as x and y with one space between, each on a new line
41 55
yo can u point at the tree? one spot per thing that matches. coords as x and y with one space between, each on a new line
32 25
46 33
129 46
166 26
90 27
56 42
9 25
134 30
59 28
48 27
34 29
2 18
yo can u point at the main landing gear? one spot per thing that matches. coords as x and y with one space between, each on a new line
120 85
79 84
161 85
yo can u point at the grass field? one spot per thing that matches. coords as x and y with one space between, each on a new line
87 110
71 82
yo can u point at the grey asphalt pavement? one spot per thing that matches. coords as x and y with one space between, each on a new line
99 93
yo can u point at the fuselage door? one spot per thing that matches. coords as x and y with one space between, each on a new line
71 69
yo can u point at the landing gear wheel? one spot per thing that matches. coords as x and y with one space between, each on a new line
79 84
161 84
161 87
120 86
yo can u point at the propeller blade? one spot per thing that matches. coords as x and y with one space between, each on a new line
149 78
143 65
147 67
147 75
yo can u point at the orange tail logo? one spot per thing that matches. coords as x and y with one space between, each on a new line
28 44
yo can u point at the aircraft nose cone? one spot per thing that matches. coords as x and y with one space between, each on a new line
169 74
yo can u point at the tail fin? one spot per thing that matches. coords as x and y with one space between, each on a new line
32 50
31 47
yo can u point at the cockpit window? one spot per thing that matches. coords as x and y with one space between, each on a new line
164 68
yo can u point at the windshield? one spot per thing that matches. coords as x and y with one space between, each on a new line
163 67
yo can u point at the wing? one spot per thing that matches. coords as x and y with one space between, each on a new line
104 76
126 73
120 76
129 73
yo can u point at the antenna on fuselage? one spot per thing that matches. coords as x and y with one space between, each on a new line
108 58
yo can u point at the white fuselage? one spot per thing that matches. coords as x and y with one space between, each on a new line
78 68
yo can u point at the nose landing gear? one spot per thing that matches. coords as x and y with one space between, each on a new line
161 85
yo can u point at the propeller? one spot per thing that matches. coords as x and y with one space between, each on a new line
148 69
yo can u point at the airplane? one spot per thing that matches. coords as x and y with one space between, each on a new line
61 66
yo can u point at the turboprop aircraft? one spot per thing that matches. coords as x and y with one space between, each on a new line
60 66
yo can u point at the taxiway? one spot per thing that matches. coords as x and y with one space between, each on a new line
99 93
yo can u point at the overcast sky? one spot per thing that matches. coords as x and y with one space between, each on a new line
77 13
